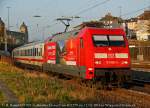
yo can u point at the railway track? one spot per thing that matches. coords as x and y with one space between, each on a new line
132 97
140 86
137 85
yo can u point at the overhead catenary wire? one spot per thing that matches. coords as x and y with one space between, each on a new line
101 3
94 4
87 3
135 11
91 7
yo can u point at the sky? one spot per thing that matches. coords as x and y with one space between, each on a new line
49 10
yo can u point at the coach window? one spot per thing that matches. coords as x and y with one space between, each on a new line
25 52
41 52
31 52
28 52
81 43
21 53
38 52
35 52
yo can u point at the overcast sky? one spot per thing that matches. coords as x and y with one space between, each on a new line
49 10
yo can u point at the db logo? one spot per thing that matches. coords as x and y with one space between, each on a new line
111 55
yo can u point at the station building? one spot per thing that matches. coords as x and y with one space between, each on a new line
14 38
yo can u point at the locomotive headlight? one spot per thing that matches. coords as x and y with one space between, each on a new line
121 55
100 55
124 62
96 62
90 69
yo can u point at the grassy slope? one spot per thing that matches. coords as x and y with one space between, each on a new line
2 99
33 87
41 88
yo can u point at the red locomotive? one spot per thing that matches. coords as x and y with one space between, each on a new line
89 53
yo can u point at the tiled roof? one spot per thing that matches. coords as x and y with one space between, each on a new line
145 15
14 33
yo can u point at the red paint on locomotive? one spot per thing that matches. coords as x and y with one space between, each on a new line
88 50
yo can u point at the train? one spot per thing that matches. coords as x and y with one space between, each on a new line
89 53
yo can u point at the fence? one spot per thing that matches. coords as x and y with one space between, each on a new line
140 53
5 59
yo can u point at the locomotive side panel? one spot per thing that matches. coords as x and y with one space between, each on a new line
65 55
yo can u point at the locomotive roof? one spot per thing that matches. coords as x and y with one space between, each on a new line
64 36
73 33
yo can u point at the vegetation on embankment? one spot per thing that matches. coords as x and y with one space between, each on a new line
2 98
36 87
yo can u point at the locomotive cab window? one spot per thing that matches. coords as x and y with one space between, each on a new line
116 41
100 40
108 40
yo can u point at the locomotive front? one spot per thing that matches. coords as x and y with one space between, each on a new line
106 54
